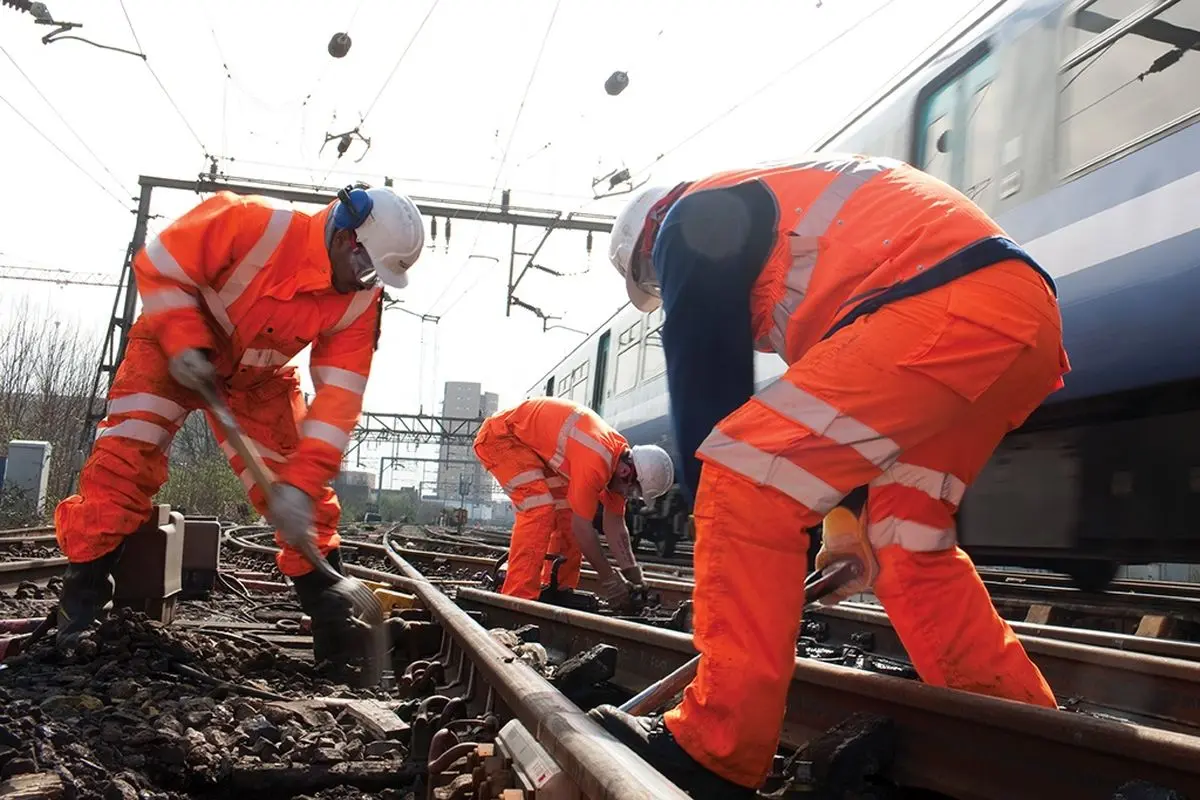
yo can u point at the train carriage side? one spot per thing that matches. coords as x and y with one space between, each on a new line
1072 124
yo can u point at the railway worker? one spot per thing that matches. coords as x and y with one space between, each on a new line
231 292
558 461
916 336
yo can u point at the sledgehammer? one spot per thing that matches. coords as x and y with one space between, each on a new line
366 606
817 585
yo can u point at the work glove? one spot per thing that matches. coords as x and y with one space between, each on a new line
634 575
291 512
192 369
615 590
844 535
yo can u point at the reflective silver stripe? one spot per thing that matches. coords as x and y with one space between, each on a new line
554 481
563 503
264 358
814 223
535 501
768 470
150 403
938 485
560 448
166 300
912 536
138 429
590 442
267 453
256 258
823 419
165 264
218 310
342 378
359 303
314 429
522 478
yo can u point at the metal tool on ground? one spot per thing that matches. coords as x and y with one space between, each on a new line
556 595
817 585
366 606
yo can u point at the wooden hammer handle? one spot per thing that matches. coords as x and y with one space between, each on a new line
238 440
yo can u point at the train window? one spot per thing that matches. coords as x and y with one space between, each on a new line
564 385
655 363
627 358
1097 17
1131 86
960 141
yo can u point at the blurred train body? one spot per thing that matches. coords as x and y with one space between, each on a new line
1072 124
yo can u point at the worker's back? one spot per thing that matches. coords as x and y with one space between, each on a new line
562 431
848 229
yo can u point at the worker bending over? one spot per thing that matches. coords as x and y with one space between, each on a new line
558 462
231 292
916 336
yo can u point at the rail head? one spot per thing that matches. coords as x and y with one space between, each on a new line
600 766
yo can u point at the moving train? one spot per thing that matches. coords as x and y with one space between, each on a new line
1072 124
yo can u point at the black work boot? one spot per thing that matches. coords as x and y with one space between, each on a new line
652 740
334 644
87 588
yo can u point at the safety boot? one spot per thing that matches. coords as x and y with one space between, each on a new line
336 643
653 742
88 587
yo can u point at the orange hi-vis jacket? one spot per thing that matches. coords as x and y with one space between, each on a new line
844 239
574 442
252 284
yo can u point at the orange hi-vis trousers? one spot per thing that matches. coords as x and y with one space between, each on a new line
543 515
911 401
128 463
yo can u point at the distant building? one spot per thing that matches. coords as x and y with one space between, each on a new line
465 401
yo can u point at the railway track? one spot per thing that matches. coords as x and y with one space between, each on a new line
1132 714
954 743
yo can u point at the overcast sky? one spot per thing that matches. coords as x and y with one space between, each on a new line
712 85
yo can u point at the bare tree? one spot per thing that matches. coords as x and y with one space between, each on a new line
46 368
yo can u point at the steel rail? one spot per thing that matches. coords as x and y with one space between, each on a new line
600 766
14 573
848 618
964 745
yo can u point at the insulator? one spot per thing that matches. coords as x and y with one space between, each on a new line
339 45
19 5
433 229
616 83
447 231
344 145
589 241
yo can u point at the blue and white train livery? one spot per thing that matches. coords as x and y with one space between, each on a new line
1072 124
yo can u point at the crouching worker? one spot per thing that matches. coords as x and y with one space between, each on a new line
231 292
558 462
917 335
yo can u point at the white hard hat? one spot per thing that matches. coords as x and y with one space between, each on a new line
655 470
393 235
625 232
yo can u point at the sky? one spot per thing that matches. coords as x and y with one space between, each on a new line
460 99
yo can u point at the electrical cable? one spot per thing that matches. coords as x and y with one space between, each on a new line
66 124
64 154
158 80
504 155
764 87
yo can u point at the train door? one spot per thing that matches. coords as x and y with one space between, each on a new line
550 387
599 380
958 138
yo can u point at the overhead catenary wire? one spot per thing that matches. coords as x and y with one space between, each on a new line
707 125
503 156
161 85
764 87
66 124
124 205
